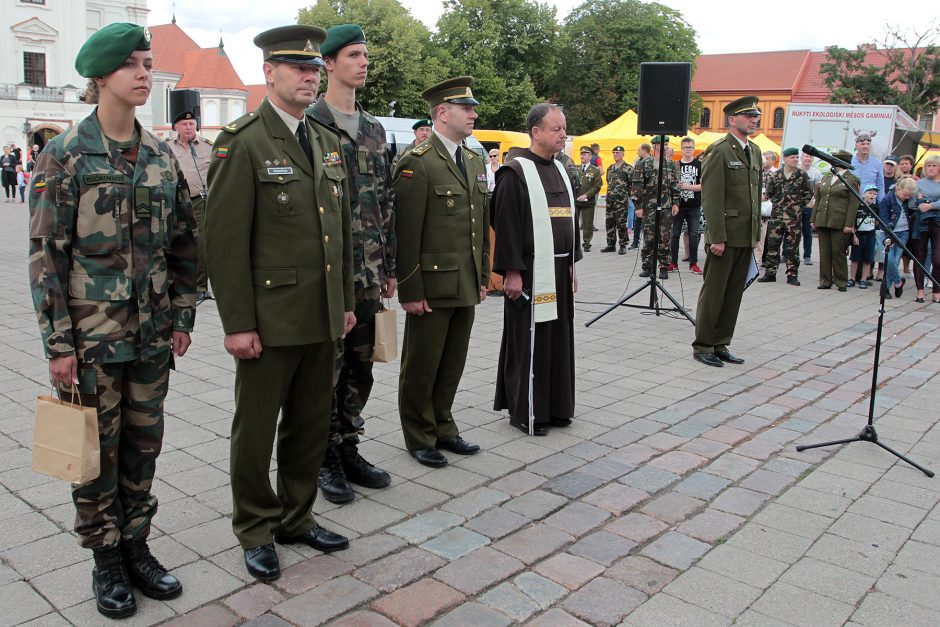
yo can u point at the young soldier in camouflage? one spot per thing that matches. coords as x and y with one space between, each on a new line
645 183
371 198
619 178
789 190
112 262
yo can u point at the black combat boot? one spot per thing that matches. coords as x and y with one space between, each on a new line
111 585
333 483
359 471
663 274
147 573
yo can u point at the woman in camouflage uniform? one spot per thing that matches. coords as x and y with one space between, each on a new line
112 261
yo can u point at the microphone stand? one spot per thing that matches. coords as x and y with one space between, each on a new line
868 433
653 282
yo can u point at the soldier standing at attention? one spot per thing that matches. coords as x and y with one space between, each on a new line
833 219
645 186
280 256
731 193
619 178
422 130
112 263
193 151
789 190
443 266
586 201
371 199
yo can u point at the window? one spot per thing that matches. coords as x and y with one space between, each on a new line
706 119
34 69
925 121
39 2
778 117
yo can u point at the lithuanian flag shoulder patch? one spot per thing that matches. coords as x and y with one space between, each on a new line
407 173
221 152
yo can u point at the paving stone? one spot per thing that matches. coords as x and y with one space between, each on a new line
758 449
727 435
208 616
518 483
769 542
569 570
739 501
19 602
689 428
664 609
497 523
509 600
25 529
879 609
713 592
768 482
650 479
418 602
603 602
750 618
149 612
395 571
861 557
602 547
907 583
254 600
208 538
864 529
364 516
543 591
578 518
709 449
534 543
606 468
67 586
325 601
637 527
45 555
536 504
409 497
829 580
554 465
641 573
732 466
710 526
588 450
888 511
478 570
634 454
702 485
792 520
556 618
663 441
675 550
802 607
616 498
573 484
789 467
310 573
371 547
475 502
185 513
455 543
425 526
204 582
678 462
824 503
475 614
923 557
362 618
672 507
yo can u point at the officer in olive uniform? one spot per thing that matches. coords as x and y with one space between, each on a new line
443 268
586 201
279 252
731 194
834 211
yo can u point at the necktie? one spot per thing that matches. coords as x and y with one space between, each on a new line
747 153
304 142
458 157
584 168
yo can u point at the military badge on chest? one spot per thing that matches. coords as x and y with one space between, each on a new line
283 199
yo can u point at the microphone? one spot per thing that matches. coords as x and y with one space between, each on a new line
825 156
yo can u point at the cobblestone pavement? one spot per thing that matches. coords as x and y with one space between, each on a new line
675 498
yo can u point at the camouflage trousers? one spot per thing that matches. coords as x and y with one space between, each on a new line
199 210
665 233
617 222
786 230
129 396
352 379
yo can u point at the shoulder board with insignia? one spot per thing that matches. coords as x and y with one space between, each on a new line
240 123
208 141
720 141
421 148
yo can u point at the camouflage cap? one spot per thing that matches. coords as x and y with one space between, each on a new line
341 36
745 105
109 47
789 152
420 123
453 90
292 44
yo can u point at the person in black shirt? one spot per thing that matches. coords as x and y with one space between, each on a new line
690 205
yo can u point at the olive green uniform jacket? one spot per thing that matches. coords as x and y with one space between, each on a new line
835 206
731 194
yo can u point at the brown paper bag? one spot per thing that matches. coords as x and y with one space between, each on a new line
65 440
386 336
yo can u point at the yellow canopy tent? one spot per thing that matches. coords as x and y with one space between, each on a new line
505 139
765 143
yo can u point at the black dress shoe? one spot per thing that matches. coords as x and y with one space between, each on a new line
608 249
262 563
899 289
147 573
317 537
560 422
823 287
709 359
536 429
429 457
663 274
843 289
332 478
361 472
728 357
111 584
458 445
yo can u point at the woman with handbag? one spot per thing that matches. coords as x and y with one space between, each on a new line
112 260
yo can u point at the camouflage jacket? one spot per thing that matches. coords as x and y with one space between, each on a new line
645 181
574 173
112 255
788 196
371 196
619 179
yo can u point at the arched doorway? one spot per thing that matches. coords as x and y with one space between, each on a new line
41 135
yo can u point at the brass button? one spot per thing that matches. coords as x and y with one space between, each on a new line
326 238
473 247
435 267
328 267
473 235
321 211
473 220
267 282
280 178
449 193
471 206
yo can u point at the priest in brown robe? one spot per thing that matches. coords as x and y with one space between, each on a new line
533 217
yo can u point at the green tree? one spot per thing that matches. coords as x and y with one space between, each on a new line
598 74
510 47
401 62
903 70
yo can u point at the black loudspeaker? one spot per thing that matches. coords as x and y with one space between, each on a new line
183 100
664 98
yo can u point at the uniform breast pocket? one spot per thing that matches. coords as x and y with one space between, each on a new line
447 198
277 191
365 161
334 180
100 223
737 174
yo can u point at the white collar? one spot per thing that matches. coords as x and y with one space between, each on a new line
290 121
450 146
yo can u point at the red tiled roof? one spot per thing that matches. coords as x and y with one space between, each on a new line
256 94
208 68
749 72
811 87
170 45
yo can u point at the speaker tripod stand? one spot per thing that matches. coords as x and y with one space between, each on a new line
654 285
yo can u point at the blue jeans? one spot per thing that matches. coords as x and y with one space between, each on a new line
630 212
892 274
807 233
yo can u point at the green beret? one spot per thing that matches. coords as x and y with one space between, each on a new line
789 152
421 123
616 148
657 139
109 47
845 155
745 105
341 36
453 90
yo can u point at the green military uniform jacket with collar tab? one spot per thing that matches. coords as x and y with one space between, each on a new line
278 239
835 206
731 193
591 181
442 226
